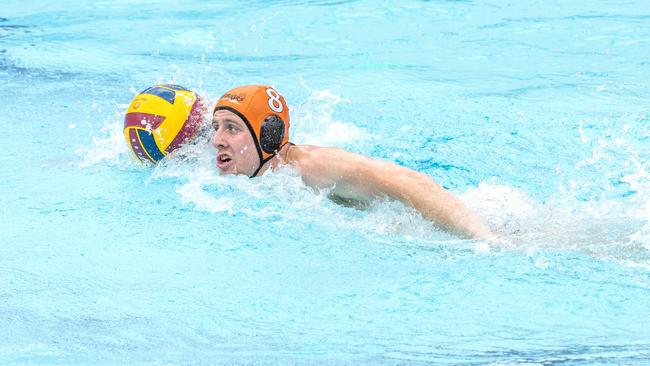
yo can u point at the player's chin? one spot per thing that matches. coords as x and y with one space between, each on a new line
225 171
230 169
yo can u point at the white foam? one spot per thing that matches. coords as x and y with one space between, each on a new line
639 181
315 124
108 148
193 192
612 229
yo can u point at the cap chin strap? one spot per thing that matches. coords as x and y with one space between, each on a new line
262 162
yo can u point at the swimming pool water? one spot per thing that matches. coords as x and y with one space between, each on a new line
534 113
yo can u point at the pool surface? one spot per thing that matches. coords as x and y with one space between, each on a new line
534 113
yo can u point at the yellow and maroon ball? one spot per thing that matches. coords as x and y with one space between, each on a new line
161 119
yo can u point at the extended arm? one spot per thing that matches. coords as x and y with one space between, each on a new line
434 202
359 177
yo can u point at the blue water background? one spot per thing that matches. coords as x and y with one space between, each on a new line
534 113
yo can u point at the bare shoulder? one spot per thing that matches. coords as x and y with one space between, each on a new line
310 158
350 174
310 154
318 166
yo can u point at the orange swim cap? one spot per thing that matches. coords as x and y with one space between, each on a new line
265 113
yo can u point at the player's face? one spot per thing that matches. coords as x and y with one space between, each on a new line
236 152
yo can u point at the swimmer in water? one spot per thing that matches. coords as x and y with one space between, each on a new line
251 135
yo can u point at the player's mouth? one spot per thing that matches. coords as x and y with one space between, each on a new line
223 160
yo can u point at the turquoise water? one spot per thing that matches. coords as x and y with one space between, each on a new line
534 113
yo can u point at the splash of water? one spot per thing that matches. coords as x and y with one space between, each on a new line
615 228
314 121
109 147
609 229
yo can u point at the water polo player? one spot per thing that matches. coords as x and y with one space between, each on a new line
251 134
